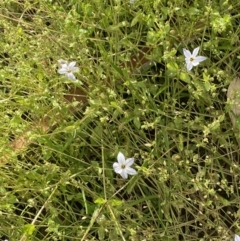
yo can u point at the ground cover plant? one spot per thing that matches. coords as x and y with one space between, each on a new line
115 120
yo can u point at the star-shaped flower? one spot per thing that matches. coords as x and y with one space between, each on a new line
123 166
67 69
236 238
192 59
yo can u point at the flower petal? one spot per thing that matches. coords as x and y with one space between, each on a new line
72 64
62 61
236 238
195 63
131 171
200 58
129 162
62 71
124 174
64 66
74 69
189 66
121 158
187 53
70 76
115 165
195 52
117 168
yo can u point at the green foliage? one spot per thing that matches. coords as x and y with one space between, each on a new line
175 123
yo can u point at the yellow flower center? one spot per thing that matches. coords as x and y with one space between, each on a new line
191 59
123 166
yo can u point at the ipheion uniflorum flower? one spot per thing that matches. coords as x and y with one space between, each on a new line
192 59
67 68
123 166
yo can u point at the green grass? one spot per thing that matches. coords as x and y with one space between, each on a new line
61 185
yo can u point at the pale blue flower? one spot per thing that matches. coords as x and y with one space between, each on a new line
123 166
192 59
67 69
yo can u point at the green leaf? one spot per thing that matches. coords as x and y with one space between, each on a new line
137 18
101 233
184 77
137 122
172 66
100 201
28 229
115 202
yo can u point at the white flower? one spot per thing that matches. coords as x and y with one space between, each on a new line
67 69
236 238
123 167
192 59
